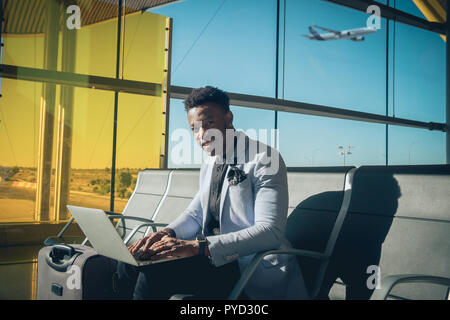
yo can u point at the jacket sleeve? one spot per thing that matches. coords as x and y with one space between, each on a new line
189 223
270 209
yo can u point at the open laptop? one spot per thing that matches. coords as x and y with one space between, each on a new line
104 237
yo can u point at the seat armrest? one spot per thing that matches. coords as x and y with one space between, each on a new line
122 217
389 282
248 272
136 229
111 212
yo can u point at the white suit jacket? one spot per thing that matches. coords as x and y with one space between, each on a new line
253 217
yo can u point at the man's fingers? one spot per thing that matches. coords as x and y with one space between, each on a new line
159 246
152 244
152 252
170 253
163 244
137 245
154 237
147 244
140 243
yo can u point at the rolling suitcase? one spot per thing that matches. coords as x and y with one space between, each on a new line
75 272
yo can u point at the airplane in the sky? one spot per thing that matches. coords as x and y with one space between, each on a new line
353 34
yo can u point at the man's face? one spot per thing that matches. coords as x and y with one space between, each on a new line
206 117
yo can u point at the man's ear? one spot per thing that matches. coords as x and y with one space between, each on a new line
229 119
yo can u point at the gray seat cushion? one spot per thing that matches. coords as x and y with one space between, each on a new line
315 195
150 188
398 220
183 186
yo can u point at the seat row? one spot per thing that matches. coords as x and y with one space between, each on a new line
368 223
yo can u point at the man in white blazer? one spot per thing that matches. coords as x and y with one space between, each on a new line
240 209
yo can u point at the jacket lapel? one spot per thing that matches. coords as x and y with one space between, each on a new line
225 186
223 193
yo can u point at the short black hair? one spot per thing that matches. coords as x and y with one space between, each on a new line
200 96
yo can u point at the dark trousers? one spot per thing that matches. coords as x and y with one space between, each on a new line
194 275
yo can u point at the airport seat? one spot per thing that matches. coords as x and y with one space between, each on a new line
150 188
148 194
399 221
158 198
318 203
181 189
170 194
341 221
315 199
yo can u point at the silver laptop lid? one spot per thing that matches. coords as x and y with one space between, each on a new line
104 237
102 234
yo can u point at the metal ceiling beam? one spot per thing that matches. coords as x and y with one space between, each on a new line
80 80
393 14
258 102
177 92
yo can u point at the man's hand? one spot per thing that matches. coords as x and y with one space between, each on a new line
169 247
145 243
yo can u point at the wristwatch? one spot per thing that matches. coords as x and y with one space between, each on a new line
201 245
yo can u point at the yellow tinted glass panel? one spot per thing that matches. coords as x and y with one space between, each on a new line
37 41
139 133
77 145
19 130
144 43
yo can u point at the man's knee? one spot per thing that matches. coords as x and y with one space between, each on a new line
125 270
126 277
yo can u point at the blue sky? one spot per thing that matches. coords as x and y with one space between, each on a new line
232 45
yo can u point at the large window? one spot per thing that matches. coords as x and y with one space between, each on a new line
417 72
316 141
344 74
185 153
19 132
59 135
416 91
415 146
57 121
398 71
230 44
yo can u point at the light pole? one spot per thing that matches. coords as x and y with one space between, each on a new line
343 152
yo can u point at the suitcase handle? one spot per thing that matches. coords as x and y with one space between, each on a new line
56 257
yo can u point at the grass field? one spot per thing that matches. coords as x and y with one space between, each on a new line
88 188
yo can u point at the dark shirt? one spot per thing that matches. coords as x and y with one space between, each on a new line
218 175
